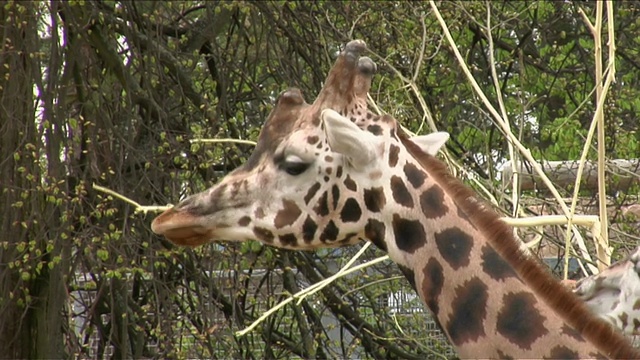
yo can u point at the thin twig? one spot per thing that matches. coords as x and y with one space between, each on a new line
422 47
515 177
310 290
138 208
601 238
215 141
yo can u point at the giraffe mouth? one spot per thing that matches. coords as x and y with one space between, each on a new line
181 228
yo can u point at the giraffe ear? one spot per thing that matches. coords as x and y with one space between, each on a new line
348 139
431 143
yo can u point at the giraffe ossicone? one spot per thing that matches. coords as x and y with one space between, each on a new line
332 173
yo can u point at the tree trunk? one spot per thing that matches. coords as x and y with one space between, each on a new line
34 255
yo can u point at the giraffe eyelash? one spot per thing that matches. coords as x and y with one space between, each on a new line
293 165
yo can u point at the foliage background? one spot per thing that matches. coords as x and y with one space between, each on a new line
112 92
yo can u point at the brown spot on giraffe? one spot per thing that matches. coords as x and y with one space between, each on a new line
394 150
309 228
311 192
623 317
288 239
455 247
335 196
244 221
350 184
495 266
415 176
375 129
288 215
520 321
322 206
432 203
562 352
351 211
400 193
330 232
466 322
432 283
409 234
263 234
313 139
374 231
374 199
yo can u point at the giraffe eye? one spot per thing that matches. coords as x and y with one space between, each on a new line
293 164
294 167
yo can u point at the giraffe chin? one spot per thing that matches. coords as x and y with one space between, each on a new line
187 237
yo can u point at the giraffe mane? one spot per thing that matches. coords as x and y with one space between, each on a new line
540 280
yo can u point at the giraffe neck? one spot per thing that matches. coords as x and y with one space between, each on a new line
490 298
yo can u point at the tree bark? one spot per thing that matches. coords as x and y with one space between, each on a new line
621 174
31 292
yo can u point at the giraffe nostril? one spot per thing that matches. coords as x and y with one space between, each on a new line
193 206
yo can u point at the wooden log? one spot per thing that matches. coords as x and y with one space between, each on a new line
621 174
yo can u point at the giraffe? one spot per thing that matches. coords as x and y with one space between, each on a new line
614 293
332 173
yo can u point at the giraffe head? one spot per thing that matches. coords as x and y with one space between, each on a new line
314 172
614 294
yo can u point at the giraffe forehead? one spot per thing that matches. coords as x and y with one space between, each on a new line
290 110
306 142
